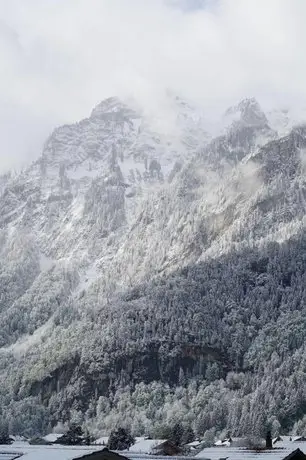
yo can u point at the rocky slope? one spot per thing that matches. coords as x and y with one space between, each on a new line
133 253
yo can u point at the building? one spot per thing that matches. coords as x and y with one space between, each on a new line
296 455
223 442
103 454
194 445
103 441
52 437
146 446
51 452
167 448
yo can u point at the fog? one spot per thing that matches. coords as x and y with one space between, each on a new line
61 57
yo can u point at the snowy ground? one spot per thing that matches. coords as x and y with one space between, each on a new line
28 452
279 452
43 452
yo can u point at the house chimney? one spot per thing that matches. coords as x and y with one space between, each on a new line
269 440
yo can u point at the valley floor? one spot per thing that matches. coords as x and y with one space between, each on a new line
27 452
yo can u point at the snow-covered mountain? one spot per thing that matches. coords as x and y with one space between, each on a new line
89 185
126 251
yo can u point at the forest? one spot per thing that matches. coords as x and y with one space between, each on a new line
222 349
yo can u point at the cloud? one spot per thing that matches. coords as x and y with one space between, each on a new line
61 57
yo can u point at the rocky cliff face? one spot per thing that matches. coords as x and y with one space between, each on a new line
113 246
67 217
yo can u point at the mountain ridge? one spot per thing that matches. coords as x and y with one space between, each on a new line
115 246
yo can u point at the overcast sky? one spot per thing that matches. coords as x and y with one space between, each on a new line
59 58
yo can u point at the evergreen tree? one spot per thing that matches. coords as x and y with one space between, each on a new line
73 437
120 439
177 434
188 435
4 433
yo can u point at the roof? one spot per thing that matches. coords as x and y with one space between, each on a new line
28 452
194 443
284 439
103 454
52 437
226 442
146 446
297 454
167 448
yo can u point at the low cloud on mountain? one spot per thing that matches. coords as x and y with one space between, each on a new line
61 57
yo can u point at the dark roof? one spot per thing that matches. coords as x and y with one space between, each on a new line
296 455
168 446
103 454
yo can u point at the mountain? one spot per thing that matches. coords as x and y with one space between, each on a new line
151 272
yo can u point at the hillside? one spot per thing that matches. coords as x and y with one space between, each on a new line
154 273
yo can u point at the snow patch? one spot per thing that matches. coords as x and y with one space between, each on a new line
146 446
52 437
22 345
85 170
46 263
87 278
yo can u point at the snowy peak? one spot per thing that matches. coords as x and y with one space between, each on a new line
247 112
119 136
284 158
245 129
112 105
251 113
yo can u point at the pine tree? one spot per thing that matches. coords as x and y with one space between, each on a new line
120 439
188 435
177 434
4 433
73 437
